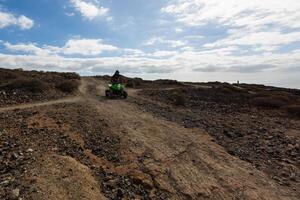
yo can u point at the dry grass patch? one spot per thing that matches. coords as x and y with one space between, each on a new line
28 85
178 98
294 110
68 86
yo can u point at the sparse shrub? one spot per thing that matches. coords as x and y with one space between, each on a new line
224 90
233 88
71 76
30 85
179 99
134 82
130 83
294 110
6 75
68 86
273 99
167 82
276 94
268 102
105 77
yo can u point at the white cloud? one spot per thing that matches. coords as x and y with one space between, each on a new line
259 41
236 12
263 25
87 47
178 30
9 19
187 64
132 52
134 60
160 40
161 54
28 48
86 65
253 33
89 9
188 48
24 22
71 14
194 37
84 47
258 38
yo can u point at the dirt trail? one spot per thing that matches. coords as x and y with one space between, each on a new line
184 162
82 91
39 104
170 161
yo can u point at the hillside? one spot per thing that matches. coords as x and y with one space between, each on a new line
168 140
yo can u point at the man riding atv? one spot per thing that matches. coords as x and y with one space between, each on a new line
116 88
116 78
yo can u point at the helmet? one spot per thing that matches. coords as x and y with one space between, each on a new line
117 72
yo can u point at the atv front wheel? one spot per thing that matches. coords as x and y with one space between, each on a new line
107 93
124 94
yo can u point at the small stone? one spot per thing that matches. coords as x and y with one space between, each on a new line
15 193
111 184
29 150
120 193
15 156
4 183
140 178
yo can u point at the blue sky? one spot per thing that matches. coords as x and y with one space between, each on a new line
193 40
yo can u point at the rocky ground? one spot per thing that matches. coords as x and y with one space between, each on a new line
49 137
268 138
18 86
145 147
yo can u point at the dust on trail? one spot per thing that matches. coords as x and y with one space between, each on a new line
184 163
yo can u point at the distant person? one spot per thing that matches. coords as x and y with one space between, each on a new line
116 78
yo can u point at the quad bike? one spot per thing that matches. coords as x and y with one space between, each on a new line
116 91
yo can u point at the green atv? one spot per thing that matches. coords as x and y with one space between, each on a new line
116 91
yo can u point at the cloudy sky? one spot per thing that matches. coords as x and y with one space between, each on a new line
255 41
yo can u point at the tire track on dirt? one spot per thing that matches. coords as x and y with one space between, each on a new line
184 162
39 104
82 92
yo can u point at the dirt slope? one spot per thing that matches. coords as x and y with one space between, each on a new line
92 148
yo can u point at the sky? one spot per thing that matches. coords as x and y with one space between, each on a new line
255 41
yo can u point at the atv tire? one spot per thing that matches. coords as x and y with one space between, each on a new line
124 94
108 94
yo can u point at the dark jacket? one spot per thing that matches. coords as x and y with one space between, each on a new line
116 78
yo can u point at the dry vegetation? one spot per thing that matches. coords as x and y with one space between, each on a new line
294 109
18 86
178 98
67 86
226 94
273 99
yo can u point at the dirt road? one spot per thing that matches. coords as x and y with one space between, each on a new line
88 147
